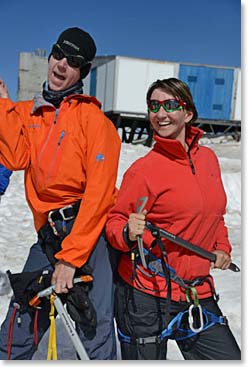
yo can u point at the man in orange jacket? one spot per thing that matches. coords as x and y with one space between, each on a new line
69 151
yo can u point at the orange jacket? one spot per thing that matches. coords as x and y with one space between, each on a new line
68 154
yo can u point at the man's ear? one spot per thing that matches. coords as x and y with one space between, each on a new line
85 69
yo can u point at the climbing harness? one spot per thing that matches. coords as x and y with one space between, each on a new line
186 323
177 328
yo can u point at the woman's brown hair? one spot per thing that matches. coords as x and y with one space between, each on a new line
177 89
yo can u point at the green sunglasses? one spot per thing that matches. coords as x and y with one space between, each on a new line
169 105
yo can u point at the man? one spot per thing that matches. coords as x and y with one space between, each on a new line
69 151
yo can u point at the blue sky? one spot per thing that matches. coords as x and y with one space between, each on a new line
195 31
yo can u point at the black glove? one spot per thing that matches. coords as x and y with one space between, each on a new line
27 284
81 309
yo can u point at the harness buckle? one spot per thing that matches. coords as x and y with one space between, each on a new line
149 340
191 318
51 222
61 211
224 321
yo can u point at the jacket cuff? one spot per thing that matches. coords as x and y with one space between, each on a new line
125 235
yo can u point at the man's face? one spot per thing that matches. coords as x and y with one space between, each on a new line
60 75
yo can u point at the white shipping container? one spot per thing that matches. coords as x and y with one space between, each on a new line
237 96
122 83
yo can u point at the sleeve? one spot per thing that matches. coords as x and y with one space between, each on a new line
14 147
103 149
4 178
134 186
222 241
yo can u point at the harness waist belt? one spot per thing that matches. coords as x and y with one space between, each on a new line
66 213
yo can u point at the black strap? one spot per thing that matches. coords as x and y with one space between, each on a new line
68 212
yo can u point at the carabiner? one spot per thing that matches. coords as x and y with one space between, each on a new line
52 224
191 318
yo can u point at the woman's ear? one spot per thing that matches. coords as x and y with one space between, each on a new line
188 116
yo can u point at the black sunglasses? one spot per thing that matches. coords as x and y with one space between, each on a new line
75 61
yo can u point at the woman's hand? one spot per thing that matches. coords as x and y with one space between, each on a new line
136 225
223 260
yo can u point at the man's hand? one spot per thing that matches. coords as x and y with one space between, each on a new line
63 276
3 90
223 260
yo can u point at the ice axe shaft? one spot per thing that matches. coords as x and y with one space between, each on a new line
68 324
141 202
188 245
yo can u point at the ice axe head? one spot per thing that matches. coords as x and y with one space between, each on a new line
141 202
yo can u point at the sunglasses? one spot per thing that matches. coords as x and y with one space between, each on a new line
75 61
169 105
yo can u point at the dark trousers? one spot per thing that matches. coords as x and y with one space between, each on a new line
140 315
103 346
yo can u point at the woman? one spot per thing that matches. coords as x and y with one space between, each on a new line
177 187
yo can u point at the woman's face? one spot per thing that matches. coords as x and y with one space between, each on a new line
170 125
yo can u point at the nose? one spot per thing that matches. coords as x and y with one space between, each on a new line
161 112
62 64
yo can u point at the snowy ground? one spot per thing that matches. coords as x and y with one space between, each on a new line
17 234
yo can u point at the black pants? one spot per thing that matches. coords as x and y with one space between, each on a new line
103 345
140 315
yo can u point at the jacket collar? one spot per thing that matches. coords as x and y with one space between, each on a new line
40 102
173 148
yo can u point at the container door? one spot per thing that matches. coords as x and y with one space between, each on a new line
211 89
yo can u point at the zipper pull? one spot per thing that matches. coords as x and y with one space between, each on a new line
56 115
61 136
192 166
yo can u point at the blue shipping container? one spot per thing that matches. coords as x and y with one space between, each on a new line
211 89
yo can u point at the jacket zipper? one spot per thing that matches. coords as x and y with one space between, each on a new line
191 163
188 154
55 153
48 137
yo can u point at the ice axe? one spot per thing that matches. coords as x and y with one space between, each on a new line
156 231
141 202
66 320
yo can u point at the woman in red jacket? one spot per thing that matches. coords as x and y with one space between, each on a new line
170 293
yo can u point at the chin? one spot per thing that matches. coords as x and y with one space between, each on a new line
55 87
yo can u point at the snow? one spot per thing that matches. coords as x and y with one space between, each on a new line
17 235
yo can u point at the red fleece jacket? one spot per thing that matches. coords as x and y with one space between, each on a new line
186 198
